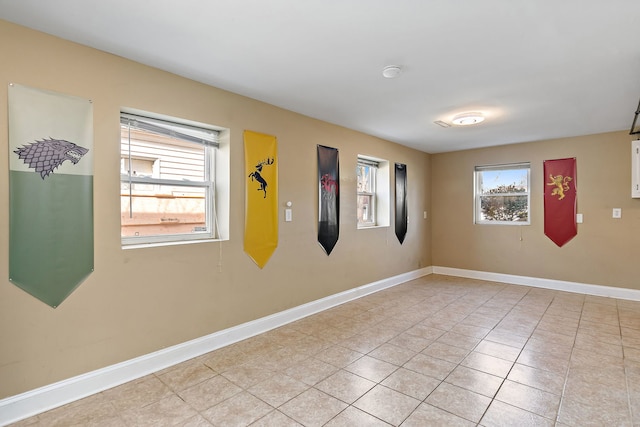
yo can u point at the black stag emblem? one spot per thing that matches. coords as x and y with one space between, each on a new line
255 175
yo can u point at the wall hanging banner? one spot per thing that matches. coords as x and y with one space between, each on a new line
50 192
328 197
560 200
261 207
401 201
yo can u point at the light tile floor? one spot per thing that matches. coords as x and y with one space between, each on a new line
437 351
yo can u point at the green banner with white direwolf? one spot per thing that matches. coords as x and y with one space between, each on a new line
50 192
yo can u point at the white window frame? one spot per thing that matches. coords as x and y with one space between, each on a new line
371 212
209 137
380 193
478 185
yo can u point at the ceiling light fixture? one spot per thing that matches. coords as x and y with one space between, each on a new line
391 71
466 119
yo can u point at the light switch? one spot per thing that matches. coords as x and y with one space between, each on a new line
617 213
287 215
579 218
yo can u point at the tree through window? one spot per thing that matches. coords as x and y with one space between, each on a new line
502 194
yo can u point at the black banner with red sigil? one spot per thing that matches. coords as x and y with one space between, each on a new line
328 197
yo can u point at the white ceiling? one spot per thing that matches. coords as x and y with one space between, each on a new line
538 69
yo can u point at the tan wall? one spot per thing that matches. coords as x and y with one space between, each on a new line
605 250
138 301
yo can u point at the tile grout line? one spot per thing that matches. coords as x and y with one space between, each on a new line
526 314
566 375
516 359
624 365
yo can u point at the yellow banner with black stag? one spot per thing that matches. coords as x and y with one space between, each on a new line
261 205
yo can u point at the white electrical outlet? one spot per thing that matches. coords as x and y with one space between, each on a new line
617 213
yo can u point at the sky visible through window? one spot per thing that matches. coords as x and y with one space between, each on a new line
494 179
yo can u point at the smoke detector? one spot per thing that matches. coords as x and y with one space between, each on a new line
391 71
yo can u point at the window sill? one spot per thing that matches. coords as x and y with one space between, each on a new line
503 223
368 227
158 244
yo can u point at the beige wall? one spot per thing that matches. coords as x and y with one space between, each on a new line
605 250
138 301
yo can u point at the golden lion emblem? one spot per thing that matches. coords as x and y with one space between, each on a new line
561 184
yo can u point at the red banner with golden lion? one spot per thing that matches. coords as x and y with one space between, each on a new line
560 200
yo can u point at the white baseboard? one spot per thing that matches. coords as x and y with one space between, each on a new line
16 408
33 402
558 285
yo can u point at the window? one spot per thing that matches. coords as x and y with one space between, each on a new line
167 186
502 194
366 173
372 192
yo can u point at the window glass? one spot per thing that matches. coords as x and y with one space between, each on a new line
502 194
166 187
366 203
